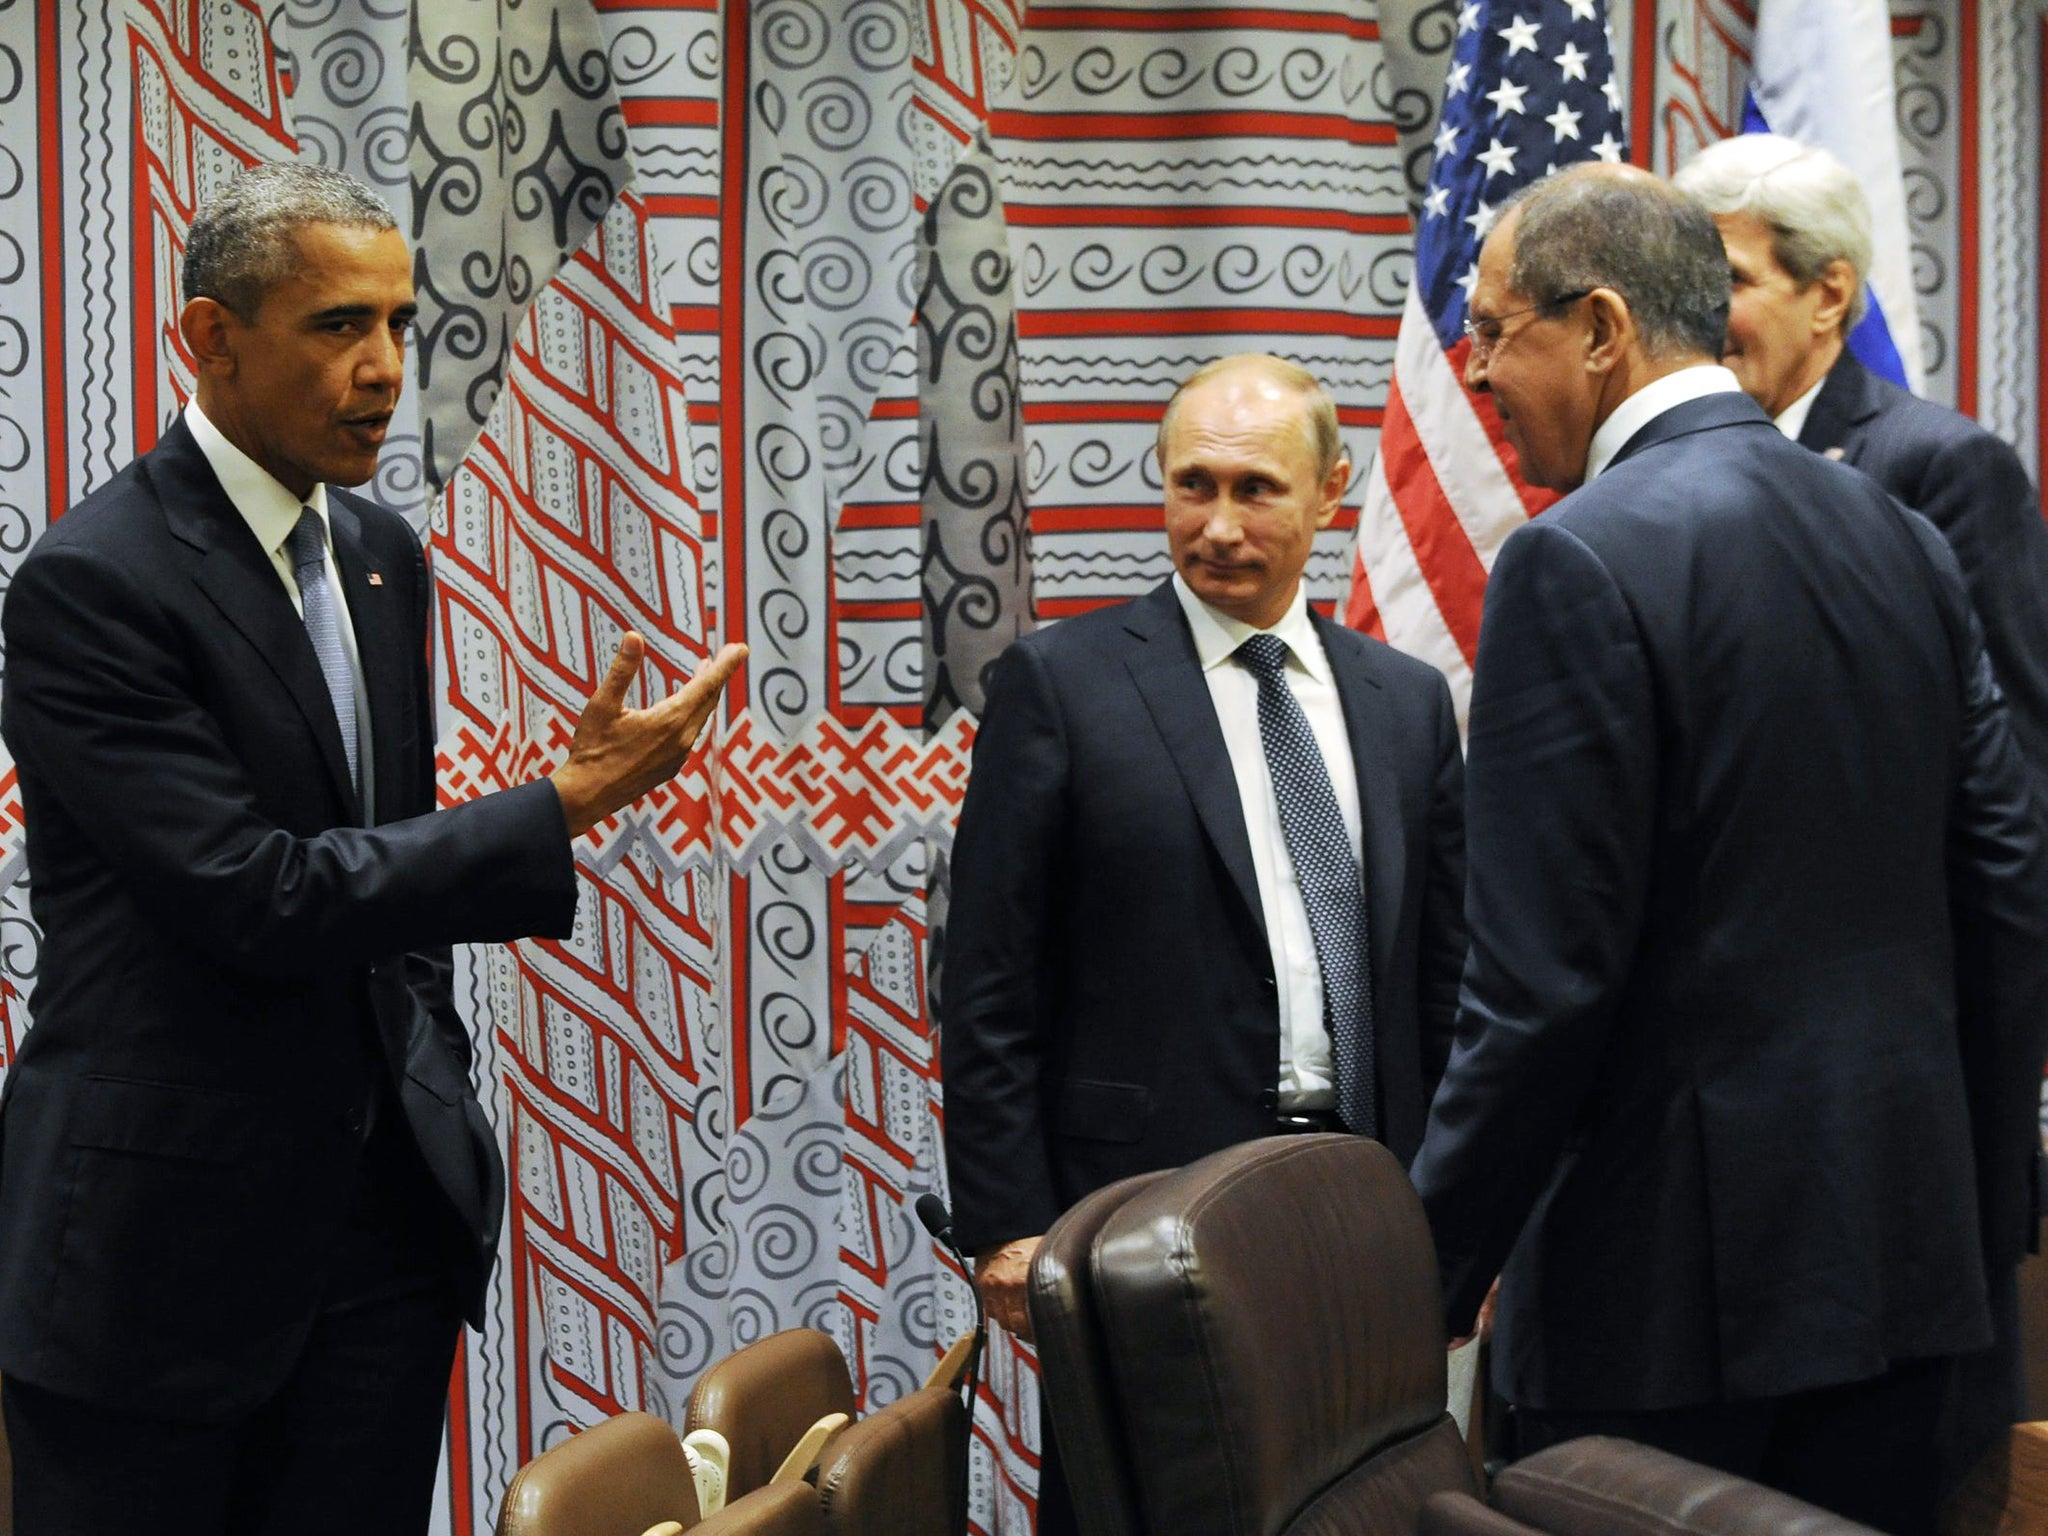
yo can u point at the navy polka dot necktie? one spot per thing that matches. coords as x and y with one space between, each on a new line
308 546
1332 885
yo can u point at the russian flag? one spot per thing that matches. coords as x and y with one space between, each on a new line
1823 76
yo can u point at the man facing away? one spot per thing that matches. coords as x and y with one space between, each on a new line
1208 879
246 1192
1759 908
1797 229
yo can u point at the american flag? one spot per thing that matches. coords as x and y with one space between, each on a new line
1530 88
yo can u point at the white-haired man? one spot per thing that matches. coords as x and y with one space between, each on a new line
1796 226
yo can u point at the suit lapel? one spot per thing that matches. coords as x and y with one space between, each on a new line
1168 675
379 646
236 575
1370 729
1847 400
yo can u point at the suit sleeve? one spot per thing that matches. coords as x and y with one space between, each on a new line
995 1002
102 705
1976 491
1443 913
1998 900
1561 789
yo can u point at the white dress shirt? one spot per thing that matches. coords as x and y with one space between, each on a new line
1306 1076
1792 420
1650 402
272 512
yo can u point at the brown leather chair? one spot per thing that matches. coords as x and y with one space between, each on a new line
762 1399
1604 1487
784 1509
1249 1346
617 1478
899 1471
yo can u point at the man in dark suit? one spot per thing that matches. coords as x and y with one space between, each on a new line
246 1191
1208 876
1797 229
1759 908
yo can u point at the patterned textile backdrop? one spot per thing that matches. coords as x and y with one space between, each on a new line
841 327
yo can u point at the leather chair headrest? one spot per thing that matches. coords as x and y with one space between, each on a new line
1275 1309
763 1397
897 1471
625 1474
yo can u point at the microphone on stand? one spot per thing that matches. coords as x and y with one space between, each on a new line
938 1221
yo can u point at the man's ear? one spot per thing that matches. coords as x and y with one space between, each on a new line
1838 285
1611 330
208 327
1333 491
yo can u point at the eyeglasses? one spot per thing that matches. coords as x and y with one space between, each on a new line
1486 334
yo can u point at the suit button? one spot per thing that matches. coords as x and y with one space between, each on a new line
1269 1100
354 1121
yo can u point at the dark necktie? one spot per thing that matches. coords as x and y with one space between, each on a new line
308 546
1332 886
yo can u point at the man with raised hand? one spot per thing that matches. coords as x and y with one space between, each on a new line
247 1194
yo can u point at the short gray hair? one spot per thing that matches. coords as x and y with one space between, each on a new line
1318 410
242 241
1812 204
1596 225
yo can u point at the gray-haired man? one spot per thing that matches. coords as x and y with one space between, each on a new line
1759 909
246 1192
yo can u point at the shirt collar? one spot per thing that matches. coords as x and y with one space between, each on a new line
1650 402
271 511
1792 420
1218 635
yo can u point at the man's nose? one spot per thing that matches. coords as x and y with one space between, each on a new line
381 365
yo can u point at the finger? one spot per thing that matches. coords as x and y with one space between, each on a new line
611 693
691 705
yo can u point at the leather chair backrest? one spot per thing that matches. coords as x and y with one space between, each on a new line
763 1397
898 1472
614 1479
1599 1486
785 1509
1274 1341
1073 1364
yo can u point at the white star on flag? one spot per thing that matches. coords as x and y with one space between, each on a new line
1507 97
1583 10
1437 204
1520 36
1564 124
1459 77
1468 18
1608 149
1498 158
1572 61
1469 279
1446 140
1612 91
1481 219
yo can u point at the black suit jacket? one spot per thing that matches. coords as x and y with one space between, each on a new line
1971 485
1760 938
1108 999
233 969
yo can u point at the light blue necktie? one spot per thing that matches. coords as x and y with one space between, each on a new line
308 545
1332 885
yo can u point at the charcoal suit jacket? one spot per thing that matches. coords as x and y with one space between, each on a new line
1759 922
234 968
1108 1001
1971 485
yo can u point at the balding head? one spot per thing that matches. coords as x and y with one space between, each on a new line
1318 411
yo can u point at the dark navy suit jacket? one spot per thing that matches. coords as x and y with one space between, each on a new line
1108 999
1971 485
234 968
1759 920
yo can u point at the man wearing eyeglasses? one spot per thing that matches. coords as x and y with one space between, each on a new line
1759 911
